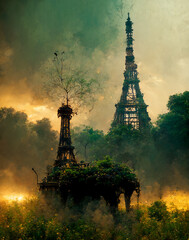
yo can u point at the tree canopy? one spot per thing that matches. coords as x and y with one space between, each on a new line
101 179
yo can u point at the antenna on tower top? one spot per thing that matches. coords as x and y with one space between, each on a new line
128 16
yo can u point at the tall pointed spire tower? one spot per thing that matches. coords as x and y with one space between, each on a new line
131 109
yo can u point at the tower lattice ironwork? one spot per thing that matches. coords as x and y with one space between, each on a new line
65 154
131 109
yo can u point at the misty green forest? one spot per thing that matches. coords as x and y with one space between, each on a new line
164 149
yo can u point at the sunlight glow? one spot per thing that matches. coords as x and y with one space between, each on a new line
173 199
15 197
178 199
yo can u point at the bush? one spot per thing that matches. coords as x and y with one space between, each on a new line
158 210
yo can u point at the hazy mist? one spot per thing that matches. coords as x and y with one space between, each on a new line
94 31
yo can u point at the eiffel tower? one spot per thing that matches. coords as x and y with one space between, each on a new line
131 109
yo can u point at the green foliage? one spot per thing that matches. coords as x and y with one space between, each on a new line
104 172
24 144
121 133
179 103
120 143
172 127
171 135
37 219
127 145
158 210
106 163
89 143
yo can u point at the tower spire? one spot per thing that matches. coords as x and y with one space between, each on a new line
131 109
128 16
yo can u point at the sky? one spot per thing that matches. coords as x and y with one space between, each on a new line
94 33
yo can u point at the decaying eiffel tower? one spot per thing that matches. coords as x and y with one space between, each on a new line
131 109
65 154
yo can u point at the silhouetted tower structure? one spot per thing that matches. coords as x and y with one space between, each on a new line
131 109
65 154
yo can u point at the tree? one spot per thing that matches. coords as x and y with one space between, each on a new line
171 136
102 179
67 83
179 103
124 144
172 131
87 139
23 145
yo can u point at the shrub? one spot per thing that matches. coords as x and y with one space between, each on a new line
158 210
